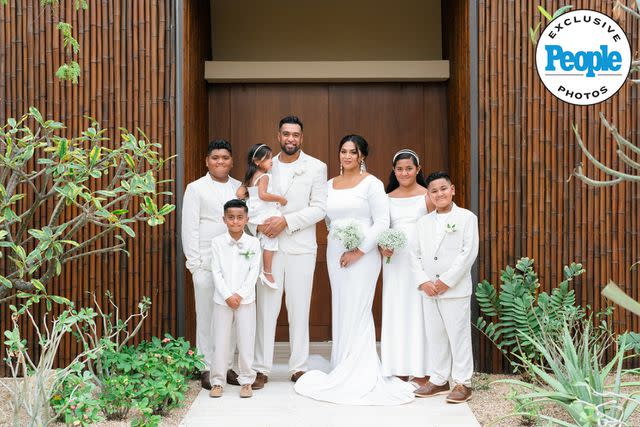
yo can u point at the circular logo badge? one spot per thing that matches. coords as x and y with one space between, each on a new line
583 57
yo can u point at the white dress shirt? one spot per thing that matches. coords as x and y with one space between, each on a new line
202 213
235 265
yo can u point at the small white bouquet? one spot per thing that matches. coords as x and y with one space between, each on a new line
348 232
392 239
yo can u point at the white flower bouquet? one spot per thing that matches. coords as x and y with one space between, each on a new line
392 239
348 232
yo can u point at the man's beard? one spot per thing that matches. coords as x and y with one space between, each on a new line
290 152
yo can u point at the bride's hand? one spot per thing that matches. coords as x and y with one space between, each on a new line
385 252
350 257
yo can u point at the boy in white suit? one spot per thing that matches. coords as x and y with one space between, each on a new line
235 265
448 247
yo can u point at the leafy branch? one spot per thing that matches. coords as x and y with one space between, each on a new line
96 180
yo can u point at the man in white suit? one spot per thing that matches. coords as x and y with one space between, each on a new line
202 212
302 180
448 247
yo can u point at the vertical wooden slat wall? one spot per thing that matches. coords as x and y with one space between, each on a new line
528 205
127 58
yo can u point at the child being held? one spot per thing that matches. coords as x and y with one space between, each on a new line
263 203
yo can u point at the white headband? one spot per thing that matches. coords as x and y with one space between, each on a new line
256 151
406 151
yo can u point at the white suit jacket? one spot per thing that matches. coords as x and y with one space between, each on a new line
448 256
306 194
235 266
202 211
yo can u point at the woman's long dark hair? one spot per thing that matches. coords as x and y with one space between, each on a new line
393 181
257 152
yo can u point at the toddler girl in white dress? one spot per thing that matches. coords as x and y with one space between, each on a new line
263 203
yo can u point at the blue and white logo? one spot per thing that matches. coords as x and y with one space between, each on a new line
583 57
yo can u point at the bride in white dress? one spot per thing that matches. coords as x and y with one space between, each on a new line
356 375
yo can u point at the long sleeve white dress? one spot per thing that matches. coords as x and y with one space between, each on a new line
356 377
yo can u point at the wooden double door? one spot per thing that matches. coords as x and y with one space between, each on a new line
390 116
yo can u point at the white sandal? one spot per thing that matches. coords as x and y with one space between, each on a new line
267 282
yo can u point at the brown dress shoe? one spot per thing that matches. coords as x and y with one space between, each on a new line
296 376
430 389
216 391
205 381
261 380
232 377
459 394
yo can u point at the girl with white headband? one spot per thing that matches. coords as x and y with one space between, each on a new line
403 337
262 204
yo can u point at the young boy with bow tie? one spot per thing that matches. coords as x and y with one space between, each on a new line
235 268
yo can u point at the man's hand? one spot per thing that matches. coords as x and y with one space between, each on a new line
441 287
273 226
234 301
429 288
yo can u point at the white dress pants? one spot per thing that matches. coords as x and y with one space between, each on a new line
203 289
294 274
447 322
245 328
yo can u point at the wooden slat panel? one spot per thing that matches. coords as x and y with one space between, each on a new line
128 66
527 152
196 49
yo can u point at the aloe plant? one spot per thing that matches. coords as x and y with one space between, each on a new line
575 377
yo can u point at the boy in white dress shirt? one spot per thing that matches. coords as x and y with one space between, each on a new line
202 221
235 265
448 247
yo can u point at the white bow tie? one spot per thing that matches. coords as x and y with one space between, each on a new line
237 243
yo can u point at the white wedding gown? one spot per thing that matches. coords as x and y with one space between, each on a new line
356 375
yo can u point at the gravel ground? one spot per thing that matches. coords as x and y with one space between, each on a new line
171 420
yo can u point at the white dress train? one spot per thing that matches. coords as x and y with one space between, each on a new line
356 377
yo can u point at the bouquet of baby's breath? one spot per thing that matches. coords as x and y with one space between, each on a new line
392 239
348 232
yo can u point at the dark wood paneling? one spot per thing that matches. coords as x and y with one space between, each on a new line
127 56
527 152
389 116
455 28
197 50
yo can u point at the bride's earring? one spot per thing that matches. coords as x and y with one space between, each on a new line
363 168
341 169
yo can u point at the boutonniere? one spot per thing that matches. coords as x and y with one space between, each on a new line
451 228
247 254
299 170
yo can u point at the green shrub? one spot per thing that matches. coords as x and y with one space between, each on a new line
117 396
520 312
151 376
74 400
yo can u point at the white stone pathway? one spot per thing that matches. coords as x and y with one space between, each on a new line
278 405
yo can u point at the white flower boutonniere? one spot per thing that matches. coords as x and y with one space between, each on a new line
247 254
298 171
451 228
